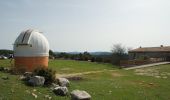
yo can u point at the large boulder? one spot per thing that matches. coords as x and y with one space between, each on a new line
62 91
36 81
80 95
63 82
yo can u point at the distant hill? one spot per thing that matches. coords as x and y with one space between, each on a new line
92 53
100 53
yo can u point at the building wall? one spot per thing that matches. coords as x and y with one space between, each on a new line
30 63
137 55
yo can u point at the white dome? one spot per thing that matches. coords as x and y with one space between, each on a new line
31 43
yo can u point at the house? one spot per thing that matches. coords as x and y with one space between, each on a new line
162 52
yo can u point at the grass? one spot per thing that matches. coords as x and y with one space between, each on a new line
111 84
71 66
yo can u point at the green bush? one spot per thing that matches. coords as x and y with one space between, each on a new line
48 74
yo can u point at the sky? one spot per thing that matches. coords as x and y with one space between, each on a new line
87 25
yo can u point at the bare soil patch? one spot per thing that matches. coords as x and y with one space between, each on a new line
115 74
154 72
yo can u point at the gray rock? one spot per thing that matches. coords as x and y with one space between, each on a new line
80 95
7 70
23 78
36 81
62 91
63 82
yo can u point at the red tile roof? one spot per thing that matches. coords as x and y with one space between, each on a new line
152 49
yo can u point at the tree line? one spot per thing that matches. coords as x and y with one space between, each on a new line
6 52
118 53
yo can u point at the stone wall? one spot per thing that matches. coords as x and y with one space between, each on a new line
138 55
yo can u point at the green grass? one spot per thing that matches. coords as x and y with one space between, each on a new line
71 66
111 84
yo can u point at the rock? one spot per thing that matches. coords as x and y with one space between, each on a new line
48 97
62 91
36 81
80 95
34 95
5 77
7 70
23 78
34 90
63 82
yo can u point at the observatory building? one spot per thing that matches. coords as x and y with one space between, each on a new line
31 50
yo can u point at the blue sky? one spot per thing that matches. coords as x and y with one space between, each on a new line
87 25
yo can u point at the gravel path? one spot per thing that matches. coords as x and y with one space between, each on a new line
79 74
147 65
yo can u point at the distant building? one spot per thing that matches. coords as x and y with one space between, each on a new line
162 52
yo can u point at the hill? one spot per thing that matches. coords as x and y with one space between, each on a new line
92 53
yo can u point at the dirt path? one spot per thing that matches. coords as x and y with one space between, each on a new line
79 74
147 65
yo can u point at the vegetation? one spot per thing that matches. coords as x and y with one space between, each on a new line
109 84
5 52
48 74
81 56
85 56
118 53
52 55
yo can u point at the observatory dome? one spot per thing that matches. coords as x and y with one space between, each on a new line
31 43
31 51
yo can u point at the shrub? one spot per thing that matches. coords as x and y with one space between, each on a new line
48 74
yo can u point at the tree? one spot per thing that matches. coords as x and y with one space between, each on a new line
119 53
52 54
86 56
5 52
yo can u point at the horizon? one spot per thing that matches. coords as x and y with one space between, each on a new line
88 25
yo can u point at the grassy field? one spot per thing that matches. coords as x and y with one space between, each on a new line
151 83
